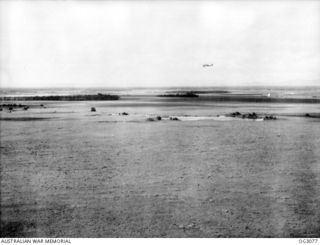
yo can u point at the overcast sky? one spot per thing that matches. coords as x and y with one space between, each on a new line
159 43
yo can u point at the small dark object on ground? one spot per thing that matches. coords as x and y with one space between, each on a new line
42 105
271 117
93 109
26 108
313 115
252 115
235 114
152 119
124 114
174 118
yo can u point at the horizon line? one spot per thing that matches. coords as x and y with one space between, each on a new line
137 87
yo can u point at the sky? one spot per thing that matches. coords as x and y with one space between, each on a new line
82 43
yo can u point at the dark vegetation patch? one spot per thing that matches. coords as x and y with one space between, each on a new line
13 106
23 119
252 115
184 95
208 91
83 97
243 98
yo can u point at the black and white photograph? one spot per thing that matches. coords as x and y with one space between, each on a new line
159 119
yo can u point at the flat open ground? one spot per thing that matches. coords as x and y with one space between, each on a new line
81 174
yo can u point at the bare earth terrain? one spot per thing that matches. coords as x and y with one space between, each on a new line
68 172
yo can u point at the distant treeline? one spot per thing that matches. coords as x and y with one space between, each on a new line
207 91
193 93
187 94
65 97
247 98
